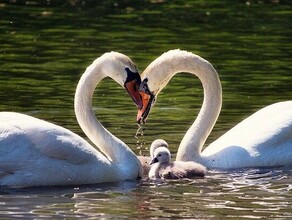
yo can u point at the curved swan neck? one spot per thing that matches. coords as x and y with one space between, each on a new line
83 105
111 146
192 143
173 62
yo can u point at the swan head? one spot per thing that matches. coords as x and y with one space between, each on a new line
131 85
156 144
148 100
113 63
155 78
161 155
157 75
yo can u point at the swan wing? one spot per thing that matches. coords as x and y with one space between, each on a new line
49 139
263 139
34 151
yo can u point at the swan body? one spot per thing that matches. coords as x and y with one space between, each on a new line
34 152
145 161
262 140
163 168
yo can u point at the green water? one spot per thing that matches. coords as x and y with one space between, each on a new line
45 47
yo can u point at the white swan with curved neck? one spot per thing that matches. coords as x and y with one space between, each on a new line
262 140
34 152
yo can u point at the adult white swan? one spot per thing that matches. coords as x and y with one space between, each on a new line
263 139
34 152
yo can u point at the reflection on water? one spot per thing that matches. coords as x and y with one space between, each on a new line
246 194
46 46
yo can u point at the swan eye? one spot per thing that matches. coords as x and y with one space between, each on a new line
159 155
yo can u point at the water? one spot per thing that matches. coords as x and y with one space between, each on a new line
245 194
46 47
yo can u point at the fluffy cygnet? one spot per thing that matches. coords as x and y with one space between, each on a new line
145 161
163 168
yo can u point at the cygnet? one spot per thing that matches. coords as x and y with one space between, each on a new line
145 161
163 168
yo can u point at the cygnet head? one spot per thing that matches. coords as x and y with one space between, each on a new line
156 144
161 155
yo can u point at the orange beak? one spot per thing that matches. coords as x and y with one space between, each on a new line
133 89
144 111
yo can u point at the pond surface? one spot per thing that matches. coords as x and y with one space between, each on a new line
46 47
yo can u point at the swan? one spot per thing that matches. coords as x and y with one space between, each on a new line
34 152
262 140
145 161
163 168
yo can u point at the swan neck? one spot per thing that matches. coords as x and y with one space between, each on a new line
83 106
193 141
159 74
115 150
